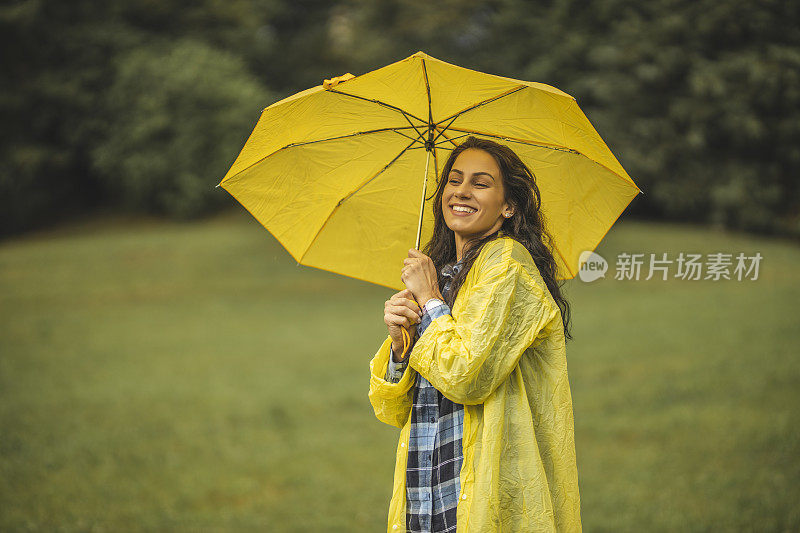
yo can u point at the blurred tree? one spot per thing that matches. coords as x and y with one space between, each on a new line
698 99
54 58
175 116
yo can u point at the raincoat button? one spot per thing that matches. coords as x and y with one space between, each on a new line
402 444
463 496
394 526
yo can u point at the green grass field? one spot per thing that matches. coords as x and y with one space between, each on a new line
192 377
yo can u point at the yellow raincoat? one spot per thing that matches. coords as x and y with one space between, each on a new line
502 355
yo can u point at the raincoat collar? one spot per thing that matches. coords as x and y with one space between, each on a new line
451 269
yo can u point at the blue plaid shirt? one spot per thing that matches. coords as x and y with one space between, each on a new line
434 446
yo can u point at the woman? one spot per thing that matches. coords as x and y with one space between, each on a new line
482 398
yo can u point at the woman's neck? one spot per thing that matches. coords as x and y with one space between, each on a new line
461 243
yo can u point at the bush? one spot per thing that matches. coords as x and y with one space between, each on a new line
178 114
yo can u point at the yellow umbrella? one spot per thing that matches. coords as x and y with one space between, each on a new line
339 173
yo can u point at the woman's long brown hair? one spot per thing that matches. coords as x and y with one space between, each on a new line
527 225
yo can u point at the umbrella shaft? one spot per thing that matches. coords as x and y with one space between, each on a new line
422 202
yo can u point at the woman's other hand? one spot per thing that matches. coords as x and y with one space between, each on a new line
419 275
401 311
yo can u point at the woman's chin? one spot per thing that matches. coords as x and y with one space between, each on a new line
457 226
464 230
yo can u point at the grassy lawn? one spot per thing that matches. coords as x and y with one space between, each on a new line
165 376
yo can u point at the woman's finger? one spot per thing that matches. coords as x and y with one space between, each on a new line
400 295
406 311
398 320
402 310
411 304
407 302
407 297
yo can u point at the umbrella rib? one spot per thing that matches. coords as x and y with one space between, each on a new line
293 145
415 139
506 138
450 139
549 147
428 91
420 135
482 103
441 133
566 264
440 143
376 101
379 130
381 171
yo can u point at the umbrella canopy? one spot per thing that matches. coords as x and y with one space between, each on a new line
343 174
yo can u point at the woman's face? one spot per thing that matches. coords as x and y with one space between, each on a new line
473 199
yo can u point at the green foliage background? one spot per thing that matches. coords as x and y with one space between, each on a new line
162 146
142 105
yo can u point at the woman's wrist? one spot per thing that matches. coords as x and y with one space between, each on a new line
431 296
396 352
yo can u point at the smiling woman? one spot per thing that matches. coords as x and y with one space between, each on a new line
483 399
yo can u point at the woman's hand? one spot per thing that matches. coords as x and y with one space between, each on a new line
400 311
419 275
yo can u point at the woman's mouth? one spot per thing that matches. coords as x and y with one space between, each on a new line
462 211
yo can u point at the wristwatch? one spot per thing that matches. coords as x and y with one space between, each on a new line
430 304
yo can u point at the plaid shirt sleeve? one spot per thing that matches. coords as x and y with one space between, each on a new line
432 310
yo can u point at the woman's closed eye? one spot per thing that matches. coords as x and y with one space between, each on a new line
456 182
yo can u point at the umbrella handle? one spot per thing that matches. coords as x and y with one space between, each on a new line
406 342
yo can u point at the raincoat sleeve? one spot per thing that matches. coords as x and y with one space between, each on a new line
390 401
466 358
